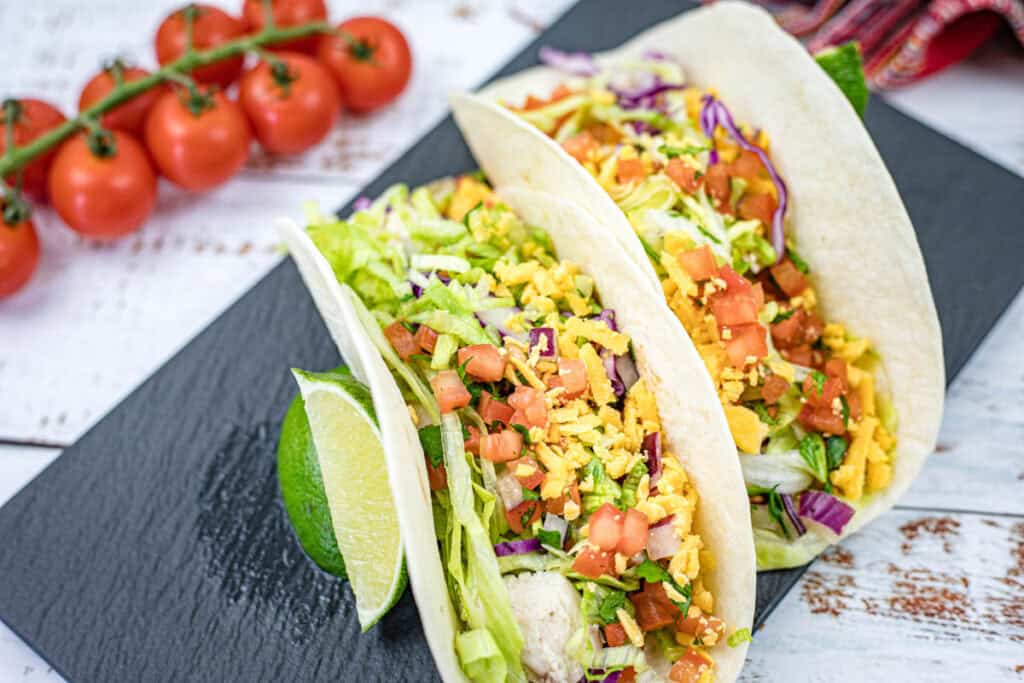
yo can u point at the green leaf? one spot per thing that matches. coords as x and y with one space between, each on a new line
800 264
835 449
784 315
761 409
844 66
846 411
819 380
654 572
430 439
775 506
550 538
522 429
612 602
812 450
530 494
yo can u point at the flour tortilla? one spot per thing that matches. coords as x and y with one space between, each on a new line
845 213
693 426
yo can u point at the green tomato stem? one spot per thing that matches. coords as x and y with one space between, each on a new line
16 158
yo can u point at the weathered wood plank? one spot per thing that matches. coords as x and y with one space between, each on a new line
921 597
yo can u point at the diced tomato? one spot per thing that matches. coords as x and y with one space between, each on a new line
747 166
699 263
501 446
734 282
630 170
531 410
734 309
822 420
615 635
788 277
800 355
523 515
628 675
717 182
635 529
556 506
492 410
606 527
561 92
580 146
685 176
836 367
830 391
798 329
698 626
757 206
773 389
528 481
689 668
532 103
437 476
593 562
653 608
572 375
853 401
472 444
746 341
450 392
425 338
757 291
483 361
401 340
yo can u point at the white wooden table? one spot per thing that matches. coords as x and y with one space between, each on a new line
933 589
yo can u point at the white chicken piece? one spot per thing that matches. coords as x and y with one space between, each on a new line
547 608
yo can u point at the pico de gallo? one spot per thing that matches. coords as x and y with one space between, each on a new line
801 393
543 444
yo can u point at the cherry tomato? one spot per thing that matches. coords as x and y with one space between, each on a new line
31 118
293 104
401 340
198 147
211 27
103 191
288 13
483 361
19 254
450 392
130 116
372 70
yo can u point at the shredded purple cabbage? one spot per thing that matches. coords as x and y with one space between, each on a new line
608 316
608 360
575 63
713 114
825 509
613 677
521 547
787 504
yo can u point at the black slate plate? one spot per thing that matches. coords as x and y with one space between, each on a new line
156 548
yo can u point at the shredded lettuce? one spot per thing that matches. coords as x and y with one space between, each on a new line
444 349
605 489
787 471
480 657
630 485
481 595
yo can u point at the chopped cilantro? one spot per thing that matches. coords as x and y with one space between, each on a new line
739 636
465 219
655 573
526 518
783 315
522 429
800 264
651 252
614 601
550 538
761 409
812 450
846 411
430 439
530 494
775 506
819 380
835 449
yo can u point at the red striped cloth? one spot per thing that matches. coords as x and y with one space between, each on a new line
901 40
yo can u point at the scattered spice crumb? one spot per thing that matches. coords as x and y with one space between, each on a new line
945 528
838 556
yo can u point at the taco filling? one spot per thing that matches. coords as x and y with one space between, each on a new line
802 393
565 525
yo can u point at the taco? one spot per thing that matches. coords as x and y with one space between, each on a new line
568 493
737 175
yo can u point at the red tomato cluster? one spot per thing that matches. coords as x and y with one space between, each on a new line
103 180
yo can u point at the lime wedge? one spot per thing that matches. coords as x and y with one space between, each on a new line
355 482
843 64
